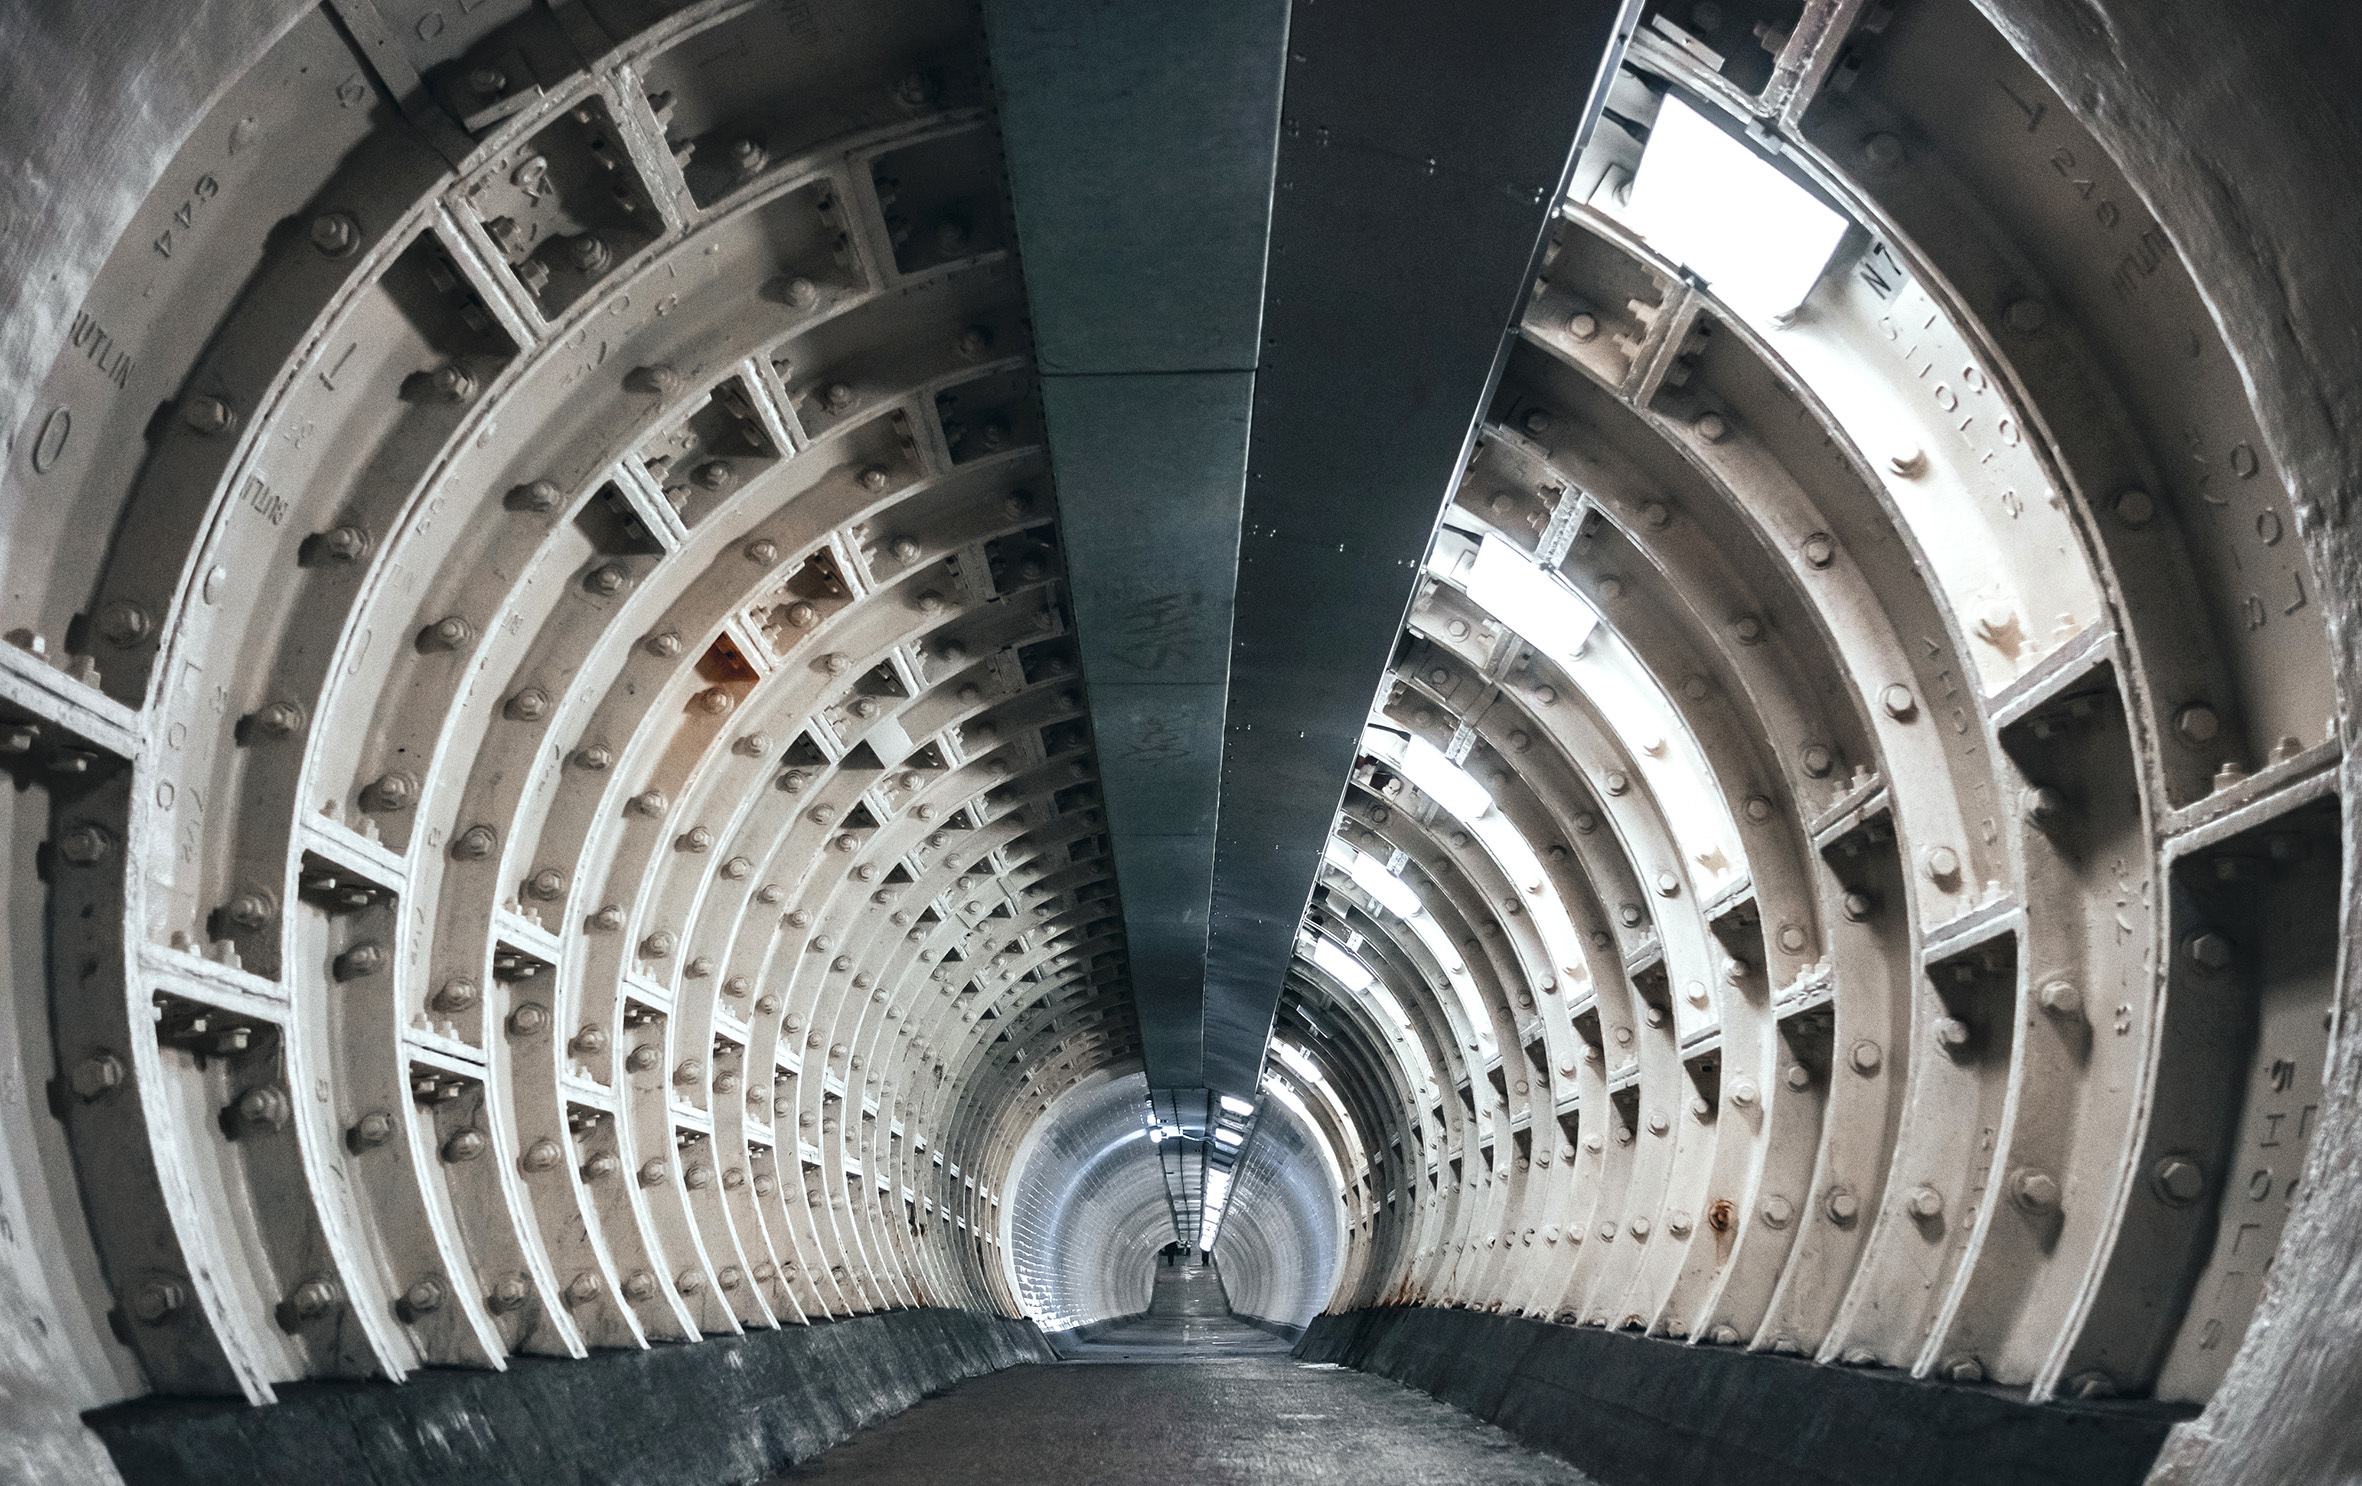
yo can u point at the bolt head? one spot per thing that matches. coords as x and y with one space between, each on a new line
465 1145
1582 325
208 415
455 995
123 624
608 579
2062 998
1943 864
2178 1181
1712 427
370 1131
315 1298
1926 1202
263 1107
1952 1032
425 1296
1963 1370
2135 509
1778 1212
1798 1076
2209 951
453 382
2197 724
1867 1057
2035 1191
1883 150
529 1019
1898 702
155 1302
97 1076
1842 1207
335 234
86 844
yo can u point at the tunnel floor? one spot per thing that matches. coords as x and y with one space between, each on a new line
1184 1393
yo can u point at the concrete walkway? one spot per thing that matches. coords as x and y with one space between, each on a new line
1185 1395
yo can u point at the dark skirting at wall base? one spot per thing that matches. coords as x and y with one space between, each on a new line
1636 1411
722 1411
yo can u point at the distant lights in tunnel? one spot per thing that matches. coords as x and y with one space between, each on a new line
1232 1104
1228 1137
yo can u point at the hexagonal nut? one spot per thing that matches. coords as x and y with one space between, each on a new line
465 1145
315 1298
509 1295
97 1076
2177 1180
362 960
262 1109
528 1019
542 1155
335 234
582 1289
390 793
2209 951
157 1301
423 1298
2034 1190
475 843
1925 1202
85 843
369 1132
344 543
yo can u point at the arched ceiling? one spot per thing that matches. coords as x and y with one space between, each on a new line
579 578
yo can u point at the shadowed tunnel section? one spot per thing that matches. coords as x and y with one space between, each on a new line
713 707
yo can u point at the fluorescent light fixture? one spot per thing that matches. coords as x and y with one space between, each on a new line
1546 614
1392 891
1227 1136
1299 1060
1439 778
1347 970
1236 1105
1708 202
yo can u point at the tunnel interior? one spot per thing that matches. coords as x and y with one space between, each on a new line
808 690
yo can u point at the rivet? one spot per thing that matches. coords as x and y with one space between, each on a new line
2135 509
1712 427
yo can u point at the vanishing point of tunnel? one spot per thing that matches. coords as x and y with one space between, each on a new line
1077 741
